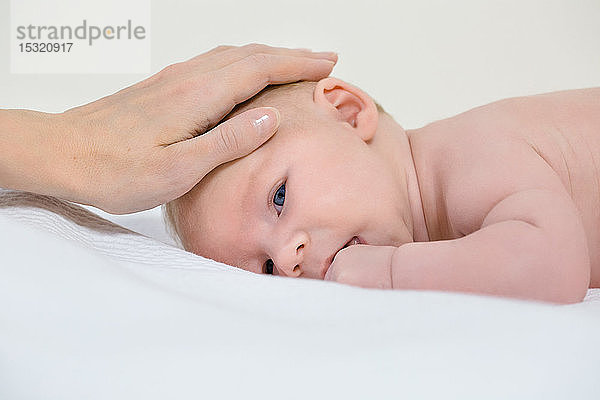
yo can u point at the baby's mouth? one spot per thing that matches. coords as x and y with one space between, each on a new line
354 240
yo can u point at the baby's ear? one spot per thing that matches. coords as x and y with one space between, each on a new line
349 104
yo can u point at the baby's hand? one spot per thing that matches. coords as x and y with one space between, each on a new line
363 265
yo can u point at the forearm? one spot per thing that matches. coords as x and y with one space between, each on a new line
509 258
33 150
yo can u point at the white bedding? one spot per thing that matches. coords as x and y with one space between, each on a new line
92 310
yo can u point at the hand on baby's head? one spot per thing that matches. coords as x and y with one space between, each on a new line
292 204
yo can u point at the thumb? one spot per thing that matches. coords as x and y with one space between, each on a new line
235 138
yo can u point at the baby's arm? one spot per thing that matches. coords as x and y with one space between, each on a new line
531 245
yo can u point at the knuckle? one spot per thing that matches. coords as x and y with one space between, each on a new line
196 89
177 90
164 74
227 140
257 59
255 47
169 70
259 66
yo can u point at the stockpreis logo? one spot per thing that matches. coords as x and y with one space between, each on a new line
68 36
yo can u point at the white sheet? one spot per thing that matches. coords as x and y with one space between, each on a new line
92 310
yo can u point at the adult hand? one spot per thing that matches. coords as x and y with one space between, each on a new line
152 142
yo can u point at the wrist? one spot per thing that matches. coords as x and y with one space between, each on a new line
401 273
64 140
35 152
21 148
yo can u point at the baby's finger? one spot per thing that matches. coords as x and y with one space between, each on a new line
330 274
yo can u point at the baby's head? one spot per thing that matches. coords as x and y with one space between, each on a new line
328 175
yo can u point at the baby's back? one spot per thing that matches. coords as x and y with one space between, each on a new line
468 163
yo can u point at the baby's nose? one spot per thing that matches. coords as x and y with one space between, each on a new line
289 258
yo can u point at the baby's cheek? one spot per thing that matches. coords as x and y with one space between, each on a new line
246 268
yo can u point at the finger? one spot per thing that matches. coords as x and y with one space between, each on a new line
232 54
223 56
255 48
230 140
330 275
245 78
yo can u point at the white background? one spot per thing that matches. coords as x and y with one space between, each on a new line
422 60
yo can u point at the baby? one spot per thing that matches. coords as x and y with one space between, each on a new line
503 199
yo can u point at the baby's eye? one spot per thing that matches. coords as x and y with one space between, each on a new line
279 198
268 267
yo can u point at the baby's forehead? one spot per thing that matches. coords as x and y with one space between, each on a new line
227 186
229 181
210 208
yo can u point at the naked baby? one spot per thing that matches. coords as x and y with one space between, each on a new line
503 199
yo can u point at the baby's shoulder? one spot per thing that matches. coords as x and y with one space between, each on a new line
476 159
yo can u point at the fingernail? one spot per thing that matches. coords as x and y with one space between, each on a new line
268 121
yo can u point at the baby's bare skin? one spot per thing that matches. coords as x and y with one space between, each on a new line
469 163
500 200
